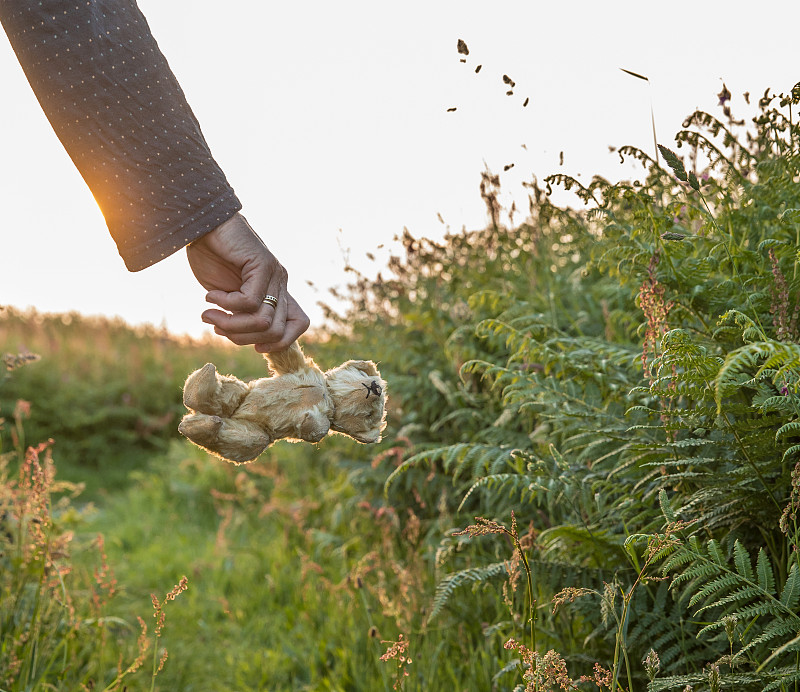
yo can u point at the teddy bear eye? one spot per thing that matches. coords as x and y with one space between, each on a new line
372 388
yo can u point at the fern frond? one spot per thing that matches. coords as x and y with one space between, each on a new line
509 483
766 578
790 594
742 561
448 585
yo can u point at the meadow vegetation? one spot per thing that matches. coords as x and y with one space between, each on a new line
590 479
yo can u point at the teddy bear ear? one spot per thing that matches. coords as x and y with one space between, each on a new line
366 366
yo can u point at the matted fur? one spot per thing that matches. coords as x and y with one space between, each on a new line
237 421
358 411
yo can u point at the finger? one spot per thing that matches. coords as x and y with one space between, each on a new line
244 329
241 323
268 322
297 323
258 281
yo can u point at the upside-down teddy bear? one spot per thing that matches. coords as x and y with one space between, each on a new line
237 421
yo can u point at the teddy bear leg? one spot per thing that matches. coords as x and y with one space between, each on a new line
233 440
209 392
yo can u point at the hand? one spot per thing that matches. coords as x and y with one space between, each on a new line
236 268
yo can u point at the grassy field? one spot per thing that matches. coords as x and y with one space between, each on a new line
590 479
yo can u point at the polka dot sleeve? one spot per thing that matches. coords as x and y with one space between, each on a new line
117 108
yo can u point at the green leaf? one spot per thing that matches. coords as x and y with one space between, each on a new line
666 509
674 163
791 589
742 559
766 578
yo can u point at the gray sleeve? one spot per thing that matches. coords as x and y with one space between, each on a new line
114 103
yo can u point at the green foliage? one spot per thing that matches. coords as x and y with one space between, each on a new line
580 366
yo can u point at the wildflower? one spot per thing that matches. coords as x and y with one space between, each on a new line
730 622
162 661
397 651
542 672
568 595
104 578
602 676
485 527
652 664
655 309
785 326
158 607
712 673
789 514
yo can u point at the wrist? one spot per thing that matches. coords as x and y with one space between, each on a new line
237 220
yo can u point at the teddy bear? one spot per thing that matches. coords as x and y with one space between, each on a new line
237 421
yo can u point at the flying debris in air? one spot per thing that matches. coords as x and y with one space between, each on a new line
508 166
463 50
560 158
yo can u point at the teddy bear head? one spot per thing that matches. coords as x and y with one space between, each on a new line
359 400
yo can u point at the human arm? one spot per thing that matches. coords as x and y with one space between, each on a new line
122 117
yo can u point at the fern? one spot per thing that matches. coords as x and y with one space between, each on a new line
473 575
597 372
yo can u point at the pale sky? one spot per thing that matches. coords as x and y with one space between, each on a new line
330 120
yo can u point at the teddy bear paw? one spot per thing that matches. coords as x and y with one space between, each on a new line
200 428
200 388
